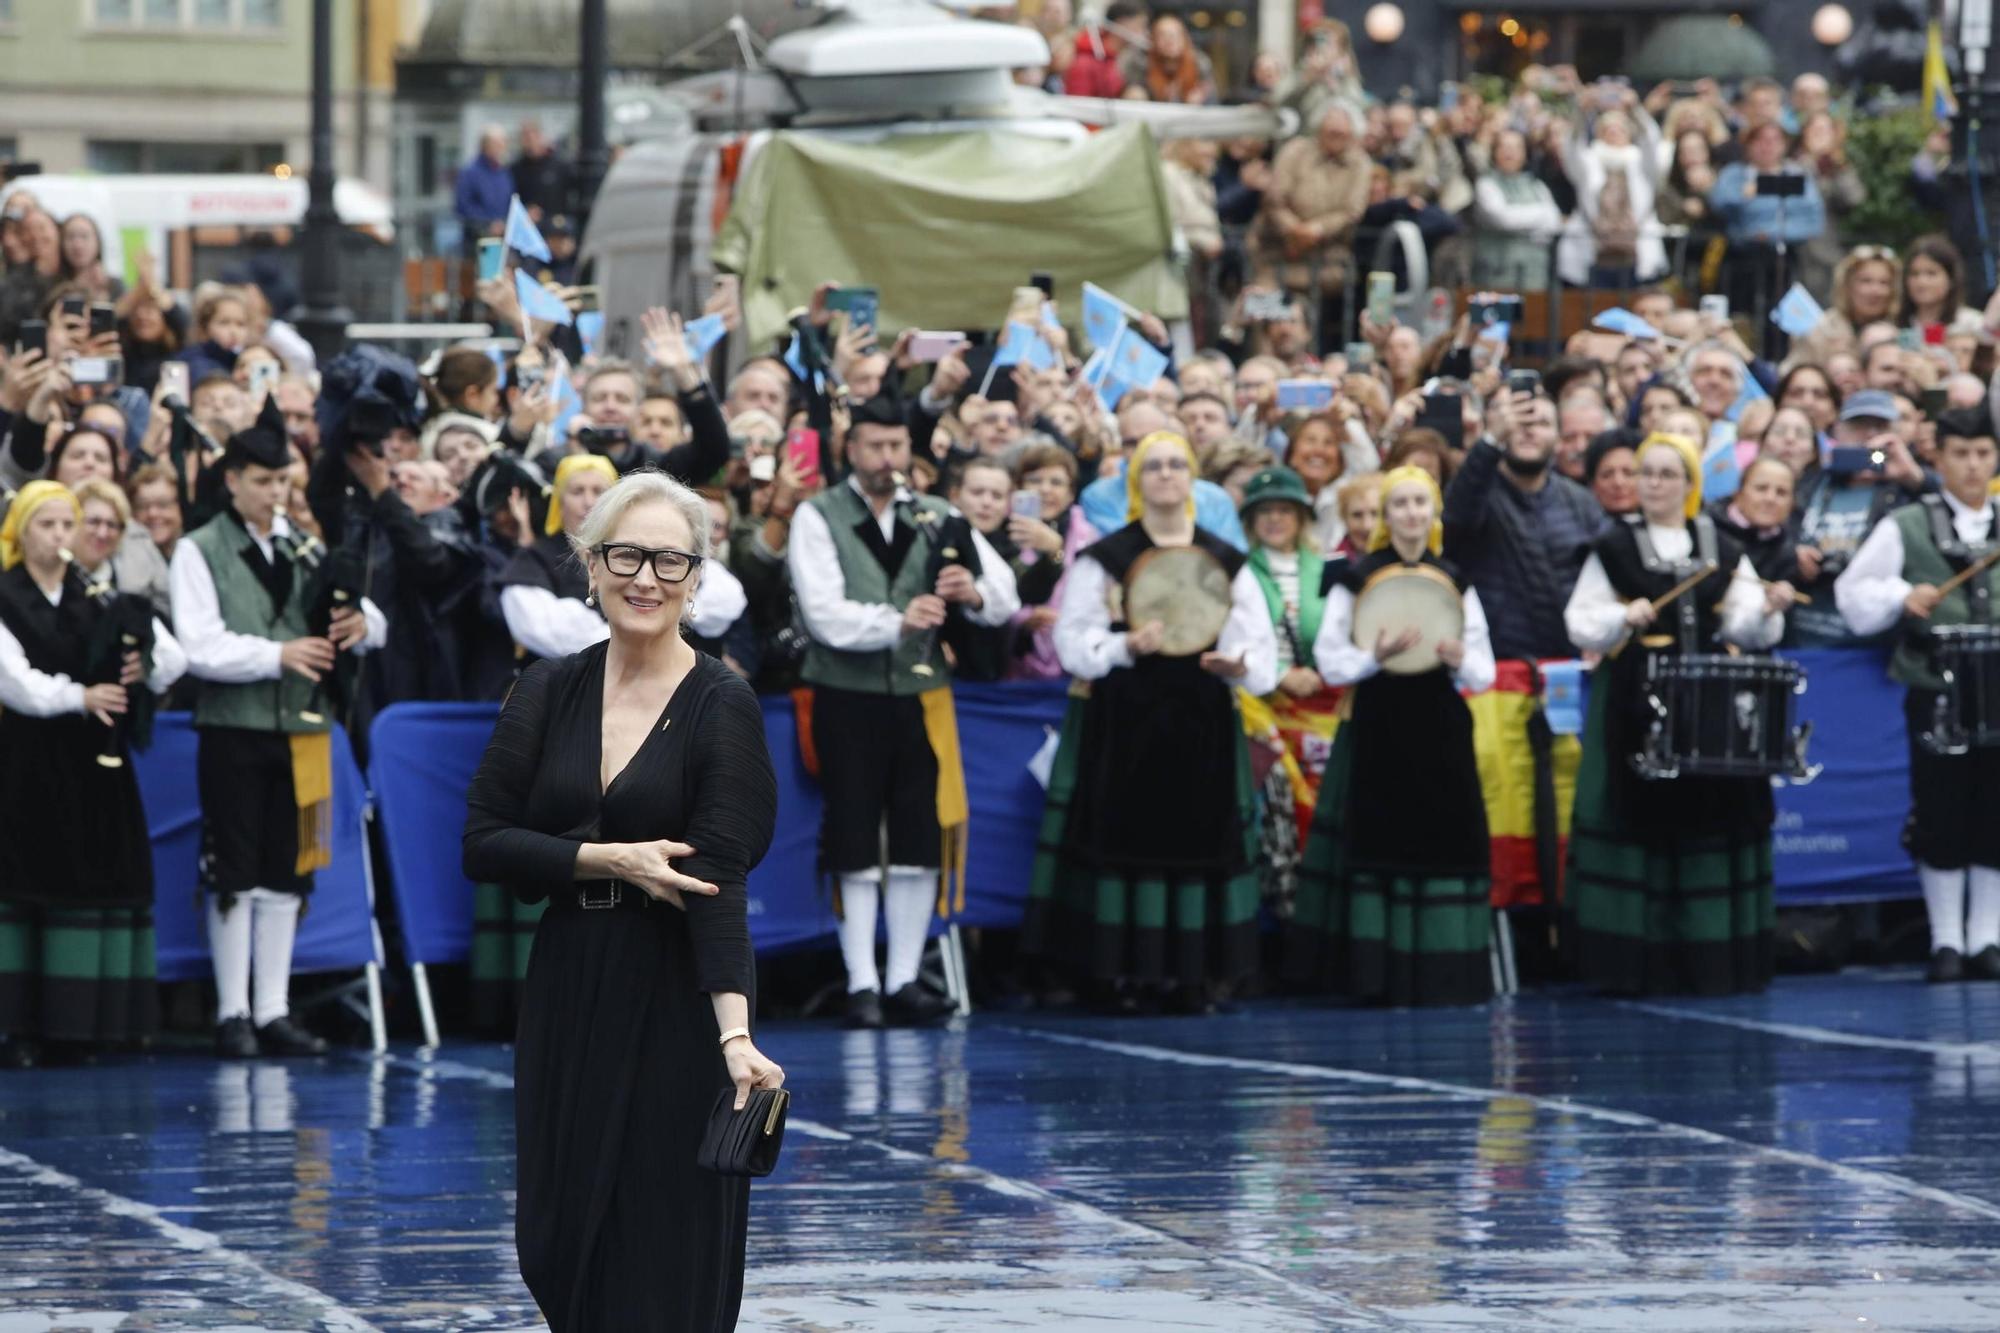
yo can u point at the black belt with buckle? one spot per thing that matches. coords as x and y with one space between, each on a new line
600 894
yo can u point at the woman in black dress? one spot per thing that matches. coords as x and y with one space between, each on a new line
629 785
76 869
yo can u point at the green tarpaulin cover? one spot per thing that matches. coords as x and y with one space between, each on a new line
946 226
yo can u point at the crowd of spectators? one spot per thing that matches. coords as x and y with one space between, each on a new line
476 474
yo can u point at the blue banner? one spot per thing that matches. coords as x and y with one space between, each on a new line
337 932
1837 839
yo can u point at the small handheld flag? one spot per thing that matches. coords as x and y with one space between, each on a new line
522 236
538 302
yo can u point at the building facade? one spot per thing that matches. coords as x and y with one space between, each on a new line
118 86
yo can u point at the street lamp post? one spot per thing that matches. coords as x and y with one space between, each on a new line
321 318
592 158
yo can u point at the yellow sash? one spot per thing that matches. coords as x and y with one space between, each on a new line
954 812
312 792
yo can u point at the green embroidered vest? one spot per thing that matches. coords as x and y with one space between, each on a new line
886 670
257 705
1925 525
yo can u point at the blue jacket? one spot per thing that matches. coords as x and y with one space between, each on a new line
484 189
206 358
1104 502
1756 220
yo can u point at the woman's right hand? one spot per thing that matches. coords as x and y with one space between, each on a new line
1640 613
750 1068
1146 639
649 865
1388 645
104 702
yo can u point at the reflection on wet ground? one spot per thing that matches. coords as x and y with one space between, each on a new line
1824 1156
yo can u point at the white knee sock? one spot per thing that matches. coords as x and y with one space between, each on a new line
1944 900
229 949
1982 917
909 906
277 921
860 893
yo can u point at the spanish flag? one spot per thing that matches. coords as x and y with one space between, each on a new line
1937 76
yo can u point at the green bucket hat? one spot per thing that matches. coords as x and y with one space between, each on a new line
1275 483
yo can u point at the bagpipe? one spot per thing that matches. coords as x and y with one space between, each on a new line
122 625
335 580
950 544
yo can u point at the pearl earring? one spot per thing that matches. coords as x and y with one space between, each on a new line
590 598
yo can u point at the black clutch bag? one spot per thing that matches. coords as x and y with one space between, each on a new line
745 1142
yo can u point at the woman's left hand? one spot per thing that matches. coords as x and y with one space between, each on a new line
750 1068
1451 652
131 672
1778 596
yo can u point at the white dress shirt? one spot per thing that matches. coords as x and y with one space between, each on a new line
848 626
217 653
34 693
1342 661
548 625
1595 615
1871 590
1090 649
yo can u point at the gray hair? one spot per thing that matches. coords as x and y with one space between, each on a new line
646 486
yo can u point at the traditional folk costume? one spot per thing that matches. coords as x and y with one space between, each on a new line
1292 738
76 865
1146 872
883 730
1670 882
1953 831
1394 893
264 767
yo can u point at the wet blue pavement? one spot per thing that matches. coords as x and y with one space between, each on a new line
1826 1156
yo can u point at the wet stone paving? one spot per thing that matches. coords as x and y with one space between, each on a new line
1826 1156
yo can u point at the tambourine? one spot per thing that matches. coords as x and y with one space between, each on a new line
1184 588
1402 597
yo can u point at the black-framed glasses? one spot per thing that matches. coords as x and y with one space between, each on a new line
669 565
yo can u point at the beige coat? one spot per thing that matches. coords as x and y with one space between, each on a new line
1309 186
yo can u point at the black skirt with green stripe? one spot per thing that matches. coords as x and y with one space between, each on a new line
1145 870
77 974
503 936
1394 889
1670 884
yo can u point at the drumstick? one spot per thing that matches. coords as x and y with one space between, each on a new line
1983 563
1798 598
1661 602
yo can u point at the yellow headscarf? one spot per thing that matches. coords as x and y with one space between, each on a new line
1395 477
30 498
1135 503
565 473
1690 459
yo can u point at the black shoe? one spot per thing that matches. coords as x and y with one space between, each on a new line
1985 965
235 1039
1190 1001
21 1053
914 1006
864 1009
281 1036
1946 965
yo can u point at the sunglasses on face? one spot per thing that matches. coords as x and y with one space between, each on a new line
669 565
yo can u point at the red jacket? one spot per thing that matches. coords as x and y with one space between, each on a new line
1092 75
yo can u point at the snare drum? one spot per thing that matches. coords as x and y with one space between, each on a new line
1968 711
1713 715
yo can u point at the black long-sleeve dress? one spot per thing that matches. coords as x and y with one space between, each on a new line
616 1064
